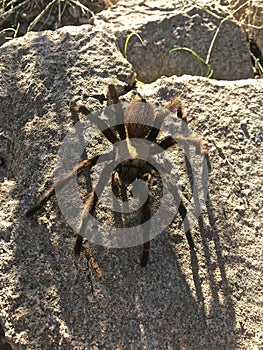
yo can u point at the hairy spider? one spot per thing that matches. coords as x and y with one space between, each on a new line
141 121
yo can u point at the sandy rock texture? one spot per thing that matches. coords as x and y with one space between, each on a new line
166 24
210 298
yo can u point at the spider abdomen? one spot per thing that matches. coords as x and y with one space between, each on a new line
139 117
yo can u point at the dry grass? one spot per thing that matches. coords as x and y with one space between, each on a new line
248 14
18 17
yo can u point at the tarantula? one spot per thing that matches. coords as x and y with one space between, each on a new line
130 124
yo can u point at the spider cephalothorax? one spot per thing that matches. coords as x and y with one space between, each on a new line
139 121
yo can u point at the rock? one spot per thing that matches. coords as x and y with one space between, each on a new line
52 300
164 26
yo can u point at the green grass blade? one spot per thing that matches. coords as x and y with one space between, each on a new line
199 58
129 36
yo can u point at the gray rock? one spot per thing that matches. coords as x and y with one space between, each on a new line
207 299
165 25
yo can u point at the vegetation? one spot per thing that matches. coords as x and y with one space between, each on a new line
17 17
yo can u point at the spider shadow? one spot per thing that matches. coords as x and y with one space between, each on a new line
220 292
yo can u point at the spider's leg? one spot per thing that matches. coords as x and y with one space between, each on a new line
113 98
170 141
185 142
89 208
87 253
41 201
103 127
146 215
174 106
181 209
88 163
153 134
118 188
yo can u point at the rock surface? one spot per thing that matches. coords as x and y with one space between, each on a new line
208 299
167 24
